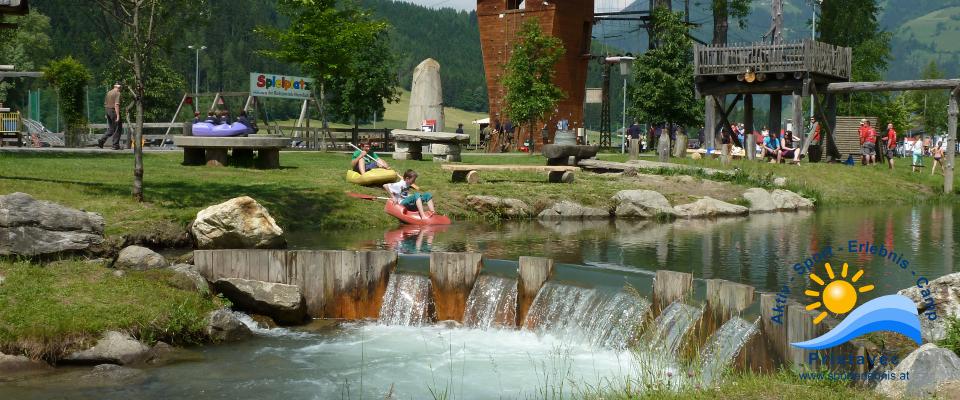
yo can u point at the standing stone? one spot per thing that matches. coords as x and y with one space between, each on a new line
139 259
30 227
426 96
239 223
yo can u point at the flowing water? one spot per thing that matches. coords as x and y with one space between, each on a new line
492 303
723 346
671 327
407 301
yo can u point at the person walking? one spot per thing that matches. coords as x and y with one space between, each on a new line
938 158
891 140
111 104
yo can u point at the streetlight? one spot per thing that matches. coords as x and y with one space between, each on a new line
626 63
196 82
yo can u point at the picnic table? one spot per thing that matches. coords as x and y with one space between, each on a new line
443 145
213 151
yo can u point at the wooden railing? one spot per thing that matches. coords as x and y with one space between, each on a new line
805 56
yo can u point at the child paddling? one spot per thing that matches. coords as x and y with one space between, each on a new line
400 194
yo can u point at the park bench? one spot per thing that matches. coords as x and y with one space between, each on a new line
470 173
444 146
199 150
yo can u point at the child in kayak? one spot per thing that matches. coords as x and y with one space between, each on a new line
364 160
400 194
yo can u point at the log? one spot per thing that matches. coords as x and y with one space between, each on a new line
452 276
892 86
951 142
534 272
634 149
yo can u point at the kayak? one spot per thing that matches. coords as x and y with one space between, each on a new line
376 176
413 217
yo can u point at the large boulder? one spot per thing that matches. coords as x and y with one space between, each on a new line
786 200
928 367
30 227
13 366
113 348
641 204
945 292
760 200
570 210
187 277
139 259
239 223
511 208
224 326
283 303
708 207
569 150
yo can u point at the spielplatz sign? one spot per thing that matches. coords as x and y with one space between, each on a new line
283 86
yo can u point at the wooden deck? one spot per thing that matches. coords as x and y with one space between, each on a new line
764 59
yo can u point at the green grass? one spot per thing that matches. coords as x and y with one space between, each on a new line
947 39
748 385
952 339
66 305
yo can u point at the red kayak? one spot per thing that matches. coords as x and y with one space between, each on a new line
413 217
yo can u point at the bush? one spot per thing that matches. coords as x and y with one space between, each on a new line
952 339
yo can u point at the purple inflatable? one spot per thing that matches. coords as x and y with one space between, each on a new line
211 130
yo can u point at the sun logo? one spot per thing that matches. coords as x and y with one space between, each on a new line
839 296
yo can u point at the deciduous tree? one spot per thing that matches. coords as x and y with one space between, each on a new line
70 78
528 76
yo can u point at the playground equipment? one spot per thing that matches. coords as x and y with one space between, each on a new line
11 127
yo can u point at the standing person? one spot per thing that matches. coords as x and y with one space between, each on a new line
700 137
926 145
111 103
891 140
459 128
917 156
937 158
868 143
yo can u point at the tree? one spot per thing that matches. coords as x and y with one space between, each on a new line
930 106
136 30
323 39
528 76
371 81
853 23
70 78
722 11
26 47
662 92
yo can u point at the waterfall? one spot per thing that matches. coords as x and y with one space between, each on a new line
724 345
407 301
492 303
671 327
600 318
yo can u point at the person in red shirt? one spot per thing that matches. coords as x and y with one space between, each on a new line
891 140
868 143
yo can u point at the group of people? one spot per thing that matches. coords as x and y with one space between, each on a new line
363 160
223 118
916 147
503 132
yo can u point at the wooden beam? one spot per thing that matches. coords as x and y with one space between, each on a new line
797 117
892 86
709 123
726 122
765 87
828 123
750 147
774 122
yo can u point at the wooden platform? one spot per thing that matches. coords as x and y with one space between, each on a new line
848 136
212 151
470 173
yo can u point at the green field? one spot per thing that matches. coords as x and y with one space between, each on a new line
940 29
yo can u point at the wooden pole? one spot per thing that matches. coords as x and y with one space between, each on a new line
750 146
776 108
798 118
951 141
892 86
709 123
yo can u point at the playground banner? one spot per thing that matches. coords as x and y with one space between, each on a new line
272 85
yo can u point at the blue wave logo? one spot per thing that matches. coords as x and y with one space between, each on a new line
894 313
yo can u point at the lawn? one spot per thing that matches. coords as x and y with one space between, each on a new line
66 305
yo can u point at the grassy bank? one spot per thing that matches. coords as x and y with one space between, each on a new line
66 305
308 192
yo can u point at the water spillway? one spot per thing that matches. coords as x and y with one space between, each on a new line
723 346
407 301
492 303
672 327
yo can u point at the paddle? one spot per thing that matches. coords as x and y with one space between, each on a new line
366 156
366 196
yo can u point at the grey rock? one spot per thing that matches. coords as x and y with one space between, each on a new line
30 227
239 223
16 366
786 200
948 390
283 303
224 326
945 293
165 354
928 367
708 207
569 150
760 200
570 210
119 273
112 375
779 181
139 259
641 204
426 95
263 321
113 348
187 277
511 208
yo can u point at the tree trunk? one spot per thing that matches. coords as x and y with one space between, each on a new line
720 22
138 100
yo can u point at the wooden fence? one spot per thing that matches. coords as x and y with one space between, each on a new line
805 56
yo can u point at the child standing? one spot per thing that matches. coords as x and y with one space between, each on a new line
400 194
937 158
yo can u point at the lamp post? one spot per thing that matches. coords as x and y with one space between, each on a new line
196 81
626 63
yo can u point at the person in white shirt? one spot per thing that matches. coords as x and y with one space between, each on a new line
400 193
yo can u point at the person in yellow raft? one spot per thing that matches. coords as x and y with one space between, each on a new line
364 160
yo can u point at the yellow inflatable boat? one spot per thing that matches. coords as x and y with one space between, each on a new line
376 176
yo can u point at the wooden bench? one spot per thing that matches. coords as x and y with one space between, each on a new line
444 146
212 151
470 173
